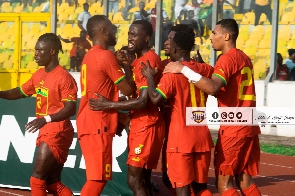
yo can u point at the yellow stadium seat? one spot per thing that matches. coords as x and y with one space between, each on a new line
4 5
7 9
8 64
64 60
240 43
284 32
80 9
7 44
117 17
70 9
251 42
283 51
267 35
37 9
248 18
3 28
291 44
62 17
250 51
73 16
287 18
265 43
18 9
63 7
257 32
32 65
4 57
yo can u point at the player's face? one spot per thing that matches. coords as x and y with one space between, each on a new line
167 43
141 5
137 38
43 53
111 29
217 38
173 47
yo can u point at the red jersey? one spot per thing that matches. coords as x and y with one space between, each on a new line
52 90
235 69
182 94
80 45
143 118
99 74
282 73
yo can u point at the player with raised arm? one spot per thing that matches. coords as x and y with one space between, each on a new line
237 152
188 147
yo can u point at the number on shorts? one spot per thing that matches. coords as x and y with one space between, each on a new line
108 170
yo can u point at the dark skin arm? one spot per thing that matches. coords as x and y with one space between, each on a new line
148 72
64 40
80 25
12 94
103 103
68 111
209 86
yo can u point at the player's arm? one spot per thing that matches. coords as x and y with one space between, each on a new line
148 72
125 61
102 103
12 94
64 40
80 25
66 112
209 86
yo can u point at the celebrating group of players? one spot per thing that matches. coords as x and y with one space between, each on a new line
151 86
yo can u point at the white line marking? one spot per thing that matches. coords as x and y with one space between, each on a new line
275 178
9 193
277 165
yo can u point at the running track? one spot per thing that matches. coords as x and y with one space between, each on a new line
276 178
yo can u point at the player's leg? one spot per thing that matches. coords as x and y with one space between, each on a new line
201 162
147 173
54 185
97 152
224 158
45 164
252 157
135 181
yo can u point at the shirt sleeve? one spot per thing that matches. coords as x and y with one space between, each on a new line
112 68
28 88
80 17
69 89
165 86
223 68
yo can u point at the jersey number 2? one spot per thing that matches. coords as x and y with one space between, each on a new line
246 83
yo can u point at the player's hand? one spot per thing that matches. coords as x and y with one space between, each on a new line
173 67
35 124
99 104
147 70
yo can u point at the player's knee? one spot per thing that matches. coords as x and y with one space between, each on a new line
133 182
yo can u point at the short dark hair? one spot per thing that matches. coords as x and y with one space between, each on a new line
92 24
52 39
231 26
291 51
184 36
146 26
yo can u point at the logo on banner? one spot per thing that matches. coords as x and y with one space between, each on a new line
198 116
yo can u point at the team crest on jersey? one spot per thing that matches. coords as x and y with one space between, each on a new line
42 82
198 116
137 150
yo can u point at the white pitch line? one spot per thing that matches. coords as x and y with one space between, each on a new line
277 165
275 178
10 193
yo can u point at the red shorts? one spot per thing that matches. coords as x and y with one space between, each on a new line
144 147
97 152
233 156
184 168
59 143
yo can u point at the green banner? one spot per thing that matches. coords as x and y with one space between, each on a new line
18 150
